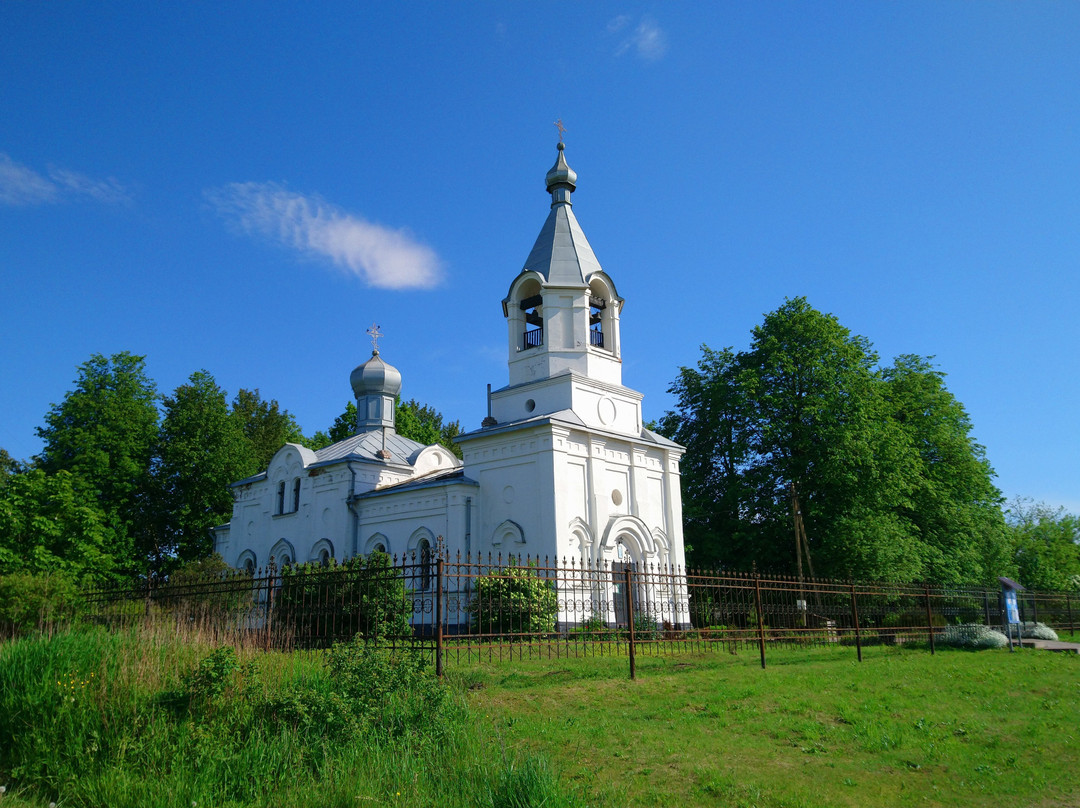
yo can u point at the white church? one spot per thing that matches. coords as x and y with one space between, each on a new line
561 468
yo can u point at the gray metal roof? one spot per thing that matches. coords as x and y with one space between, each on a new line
561 253
571 419
366 446
430 481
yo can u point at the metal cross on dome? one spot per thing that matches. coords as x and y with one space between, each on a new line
375 335
561 128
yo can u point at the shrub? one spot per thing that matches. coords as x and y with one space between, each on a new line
38 600
645 627
1037 631
366 691
363 595
911 618
513 600
972 635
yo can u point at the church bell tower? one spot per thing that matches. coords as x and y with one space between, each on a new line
562 313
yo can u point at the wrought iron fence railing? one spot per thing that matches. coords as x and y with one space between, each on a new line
485 609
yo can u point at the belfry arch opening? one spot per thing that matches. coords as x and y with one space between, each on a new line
531 306
601 313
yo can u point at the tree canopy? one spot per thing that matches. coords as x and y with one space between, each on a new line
104 434
878 464
1045 545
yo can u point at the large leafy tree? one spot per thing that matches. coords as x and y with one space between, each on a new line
49 523
712 422
879 466
1046 545
953 507
202 449
265 424
104 434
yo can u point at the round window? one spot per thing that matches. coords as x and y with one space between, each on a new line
530 405
616 496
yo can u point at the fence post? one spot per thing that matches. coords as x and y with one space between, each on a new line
760 618
630 617
1068 605
1034 609
986 605
929 620
439 616
855 619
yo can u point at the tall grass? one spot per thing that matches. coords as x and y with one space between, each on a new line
148 716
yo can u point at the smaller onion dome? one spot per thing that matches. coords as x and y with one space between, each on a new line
561 177
375 377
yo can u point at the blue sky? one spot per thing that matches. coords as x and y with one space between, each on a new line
245 188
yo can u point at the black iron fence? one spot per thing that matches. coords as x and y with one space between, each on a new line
469 609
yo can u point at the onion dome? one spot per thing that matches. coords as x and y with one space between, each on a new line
561 179
375 377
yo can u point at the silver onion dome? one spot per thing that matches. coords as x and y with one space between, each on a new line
375 377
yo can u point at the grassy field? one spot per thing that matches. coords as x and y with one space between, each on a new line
149 718
815 729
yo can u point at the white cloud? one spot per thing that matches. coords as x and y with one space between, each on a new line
108 190
21 185
380 256
647 40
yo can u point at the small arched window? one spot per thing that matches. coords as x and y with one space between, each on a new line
324 558
424 551
379 548
249 566
296 495
281 497
286 561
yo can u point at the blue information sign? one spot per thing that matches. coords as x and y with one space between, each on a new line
1012 612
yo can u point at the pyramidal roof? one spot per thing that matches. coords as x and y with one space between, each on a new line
562 253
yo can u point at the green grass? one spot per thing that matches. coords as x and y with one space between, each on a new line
815 729
150 718
146 718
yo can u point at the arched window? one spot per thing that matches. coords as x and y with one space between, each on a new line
286 561
424 551
249 566
281 497
296 495
324 558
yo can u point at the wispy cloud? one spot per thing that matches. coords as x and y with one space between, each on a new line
22 185
647 40
380 256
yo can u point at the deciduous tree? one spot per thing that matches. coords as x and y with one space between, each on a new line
202 449
104 434
880 465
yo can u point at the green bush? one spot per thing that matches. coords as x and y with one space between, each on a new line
32 601
513 600
366 691
645 626
364 595
911 618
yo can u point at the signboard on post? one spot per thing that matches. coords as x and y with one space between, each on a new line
1012 611
1009 588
